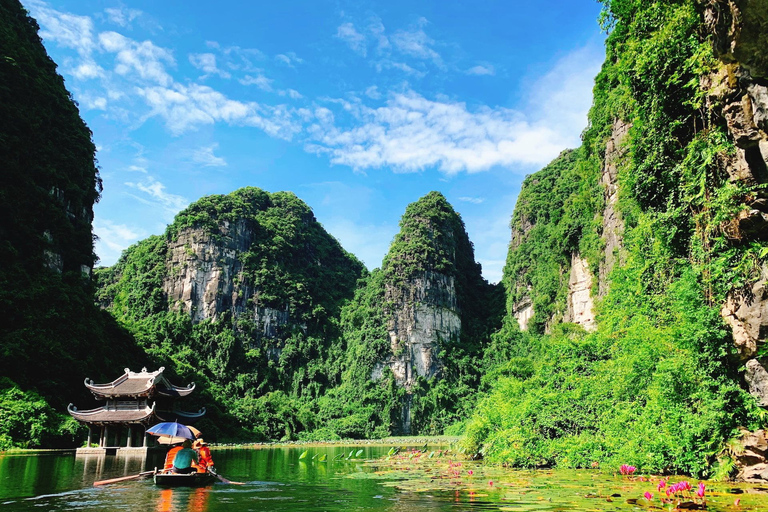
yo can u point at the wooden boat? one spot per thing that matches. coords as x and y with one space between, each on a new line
184 480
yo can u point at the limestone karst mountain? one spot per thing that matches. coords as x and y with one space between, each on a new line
641 257
244 292
51 333
427 315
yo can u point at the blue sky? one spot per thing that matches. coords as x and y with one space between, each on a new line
359 108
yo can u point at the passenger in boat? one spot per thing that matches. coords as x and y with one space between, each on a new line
204 459
170 456
186 459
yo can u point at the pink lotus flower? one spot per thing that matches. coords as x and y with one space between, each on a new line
662 484
627 470
737 502
490 482
700 491
648 496
470 472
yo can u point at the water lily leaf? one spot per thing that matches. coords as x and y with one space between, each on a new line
303 455
323 458
432 454
359 453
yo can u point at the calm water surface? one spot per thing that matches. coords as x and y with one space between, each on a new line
277 480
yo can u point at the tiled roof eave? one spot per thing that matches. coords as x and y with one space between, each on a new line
104 416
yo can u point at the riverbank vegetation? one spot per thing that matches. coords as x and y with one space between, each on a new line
657 384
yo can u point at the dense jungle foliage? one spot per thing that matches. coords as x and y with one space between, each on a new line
432 240
51 335
259 382
311 378
656 386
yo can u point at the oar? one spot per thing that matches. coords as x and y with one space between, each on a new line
224 480
123 478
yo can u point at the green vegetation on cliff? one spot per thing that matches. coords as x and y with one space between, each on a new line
276 261
432 245
656 386
52 334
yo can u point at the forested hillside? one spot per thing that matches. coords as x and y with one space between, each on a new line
664 206
416 331
51 334
243 295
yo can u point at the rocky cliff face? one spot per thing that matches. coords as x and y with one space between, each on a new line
49 183
424 316
434 307
738 91
580 306
613 224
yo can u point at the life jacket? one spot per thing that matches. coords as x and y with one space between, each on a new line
204 459
170 457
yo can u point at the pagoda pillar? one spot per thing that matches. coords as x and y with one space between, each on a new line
90 432
130 434
106 436
146 436
101 437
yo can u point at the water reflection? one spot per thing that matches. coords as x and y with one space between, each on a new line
277 480
183 500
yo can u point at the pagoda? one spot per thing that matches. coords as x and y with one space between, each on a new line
134 401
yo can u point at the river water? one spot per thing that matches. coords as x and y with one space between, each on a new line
279 479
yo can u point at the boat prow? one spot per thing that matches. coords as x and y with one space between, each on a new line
184 480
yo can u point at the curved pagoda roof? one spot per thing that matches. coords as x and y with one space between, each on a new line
184 417
120 414
138 384
109 415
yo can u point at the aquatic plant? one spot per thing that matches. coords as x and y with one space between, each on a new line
627 470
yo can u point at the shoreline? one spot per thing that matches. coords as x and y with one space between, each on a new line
386 441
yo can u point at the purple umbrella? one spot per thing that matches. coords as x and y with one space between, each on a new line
171 429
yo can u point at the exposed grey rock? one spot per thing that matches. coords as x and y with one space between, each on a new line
523 312
747 315
613 224
580 304
424 314
757 379
755 474
205 278
751 457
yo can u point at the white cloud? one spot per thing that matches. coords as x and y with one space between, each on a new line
87 69
354 39
122 15
563 96
289 59
482 70
260 81
156 195
205 157
186 107
206 62
411 133
473 200
115 236
69 31
373 92
93 103
133 58
416 43
291 93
